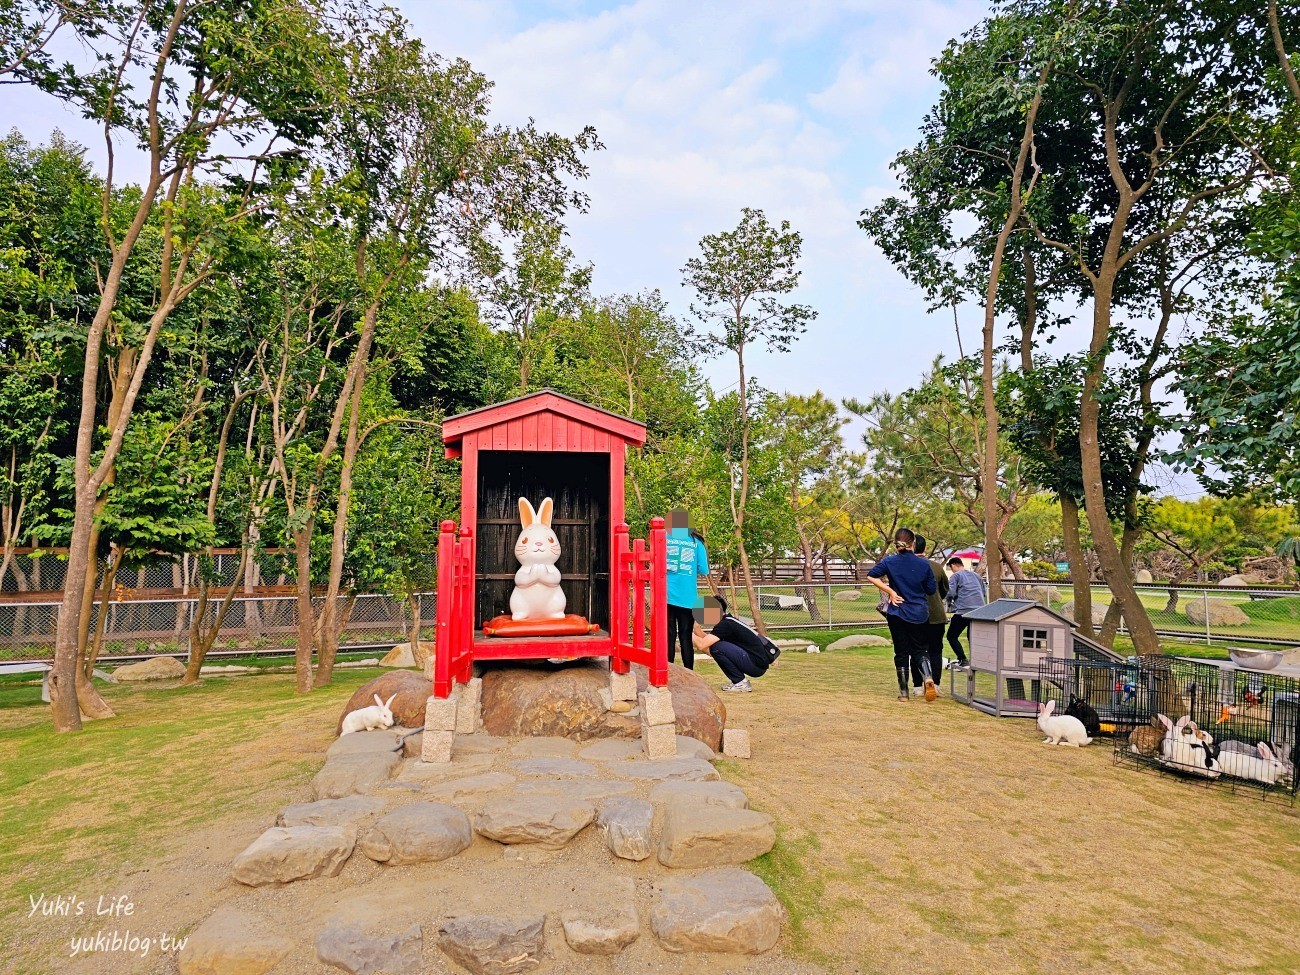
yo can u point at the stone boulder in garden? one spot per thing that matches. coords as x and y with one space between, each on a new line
1098 612
412 690
155 668
565 702
1221 612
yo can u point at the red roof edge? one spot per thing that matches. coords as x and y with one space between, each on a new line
454 428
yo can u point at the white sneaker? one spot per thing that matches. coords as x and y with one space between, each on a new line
918 691
740 687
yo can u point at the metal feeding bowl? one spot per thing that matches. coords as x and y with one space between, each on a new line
1255 659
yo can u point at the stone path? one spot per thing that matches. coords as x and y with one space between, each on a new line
520 855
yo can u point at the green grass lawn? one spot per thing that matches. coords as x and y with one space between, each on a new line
911 837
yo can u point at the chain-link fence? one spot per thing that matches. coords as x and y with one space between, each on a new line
1216 614
1211 615
253 623
147 626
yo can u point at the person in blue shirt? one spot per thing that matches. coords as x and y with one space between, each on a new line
911 582
687 562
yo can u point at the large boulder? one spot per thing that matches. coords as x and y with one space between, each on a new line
608 930
1045 595
1098 612
860 640
548 821
155 668
1221 612
348 946
1241 580
349 811
726 910
412 690
847 595
232 941
401 655
1143 577
487 945
284 854
713 836
565 701
626 824
699 793
422 832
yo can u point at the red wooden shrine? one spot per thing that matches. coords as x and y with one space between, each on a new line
546 444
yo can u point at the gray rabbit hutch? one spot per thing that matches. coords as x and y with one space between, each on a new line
1009 641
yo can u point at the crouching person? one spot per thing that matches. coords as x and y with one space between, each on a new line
740 652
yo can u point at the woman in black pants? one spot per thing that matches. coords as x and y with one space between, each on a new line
739 651
687 562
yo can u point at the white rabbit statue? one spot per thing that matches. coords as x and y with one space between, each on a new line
537 594
373 718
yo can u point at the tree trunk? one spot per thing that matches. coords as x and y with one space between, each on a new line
329 621
306 615
1080 574
202 638
807 591
105 607
1125 599
417 649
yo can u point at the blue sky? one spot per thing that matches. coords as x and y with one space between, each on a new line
705 108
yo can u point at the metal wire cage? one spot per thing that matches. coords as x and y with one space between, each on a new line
1100 691
1229 712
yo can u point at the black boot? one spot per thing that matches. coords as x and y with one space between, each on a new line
931 692
902 683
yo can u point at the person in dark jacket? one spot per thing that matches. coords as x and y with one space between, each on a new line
739 651
911 582
937 624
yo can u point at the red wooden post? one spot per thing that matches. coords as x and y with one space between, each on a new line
444 647
465 608
638 594
618 601
658 603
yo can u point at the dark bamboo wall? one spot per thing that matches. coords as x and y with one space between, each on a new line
579 485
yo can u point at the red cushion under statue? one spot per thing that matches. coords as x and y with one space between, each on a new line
570 625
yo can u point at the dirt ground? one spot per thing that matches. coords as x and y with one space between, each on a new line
912 838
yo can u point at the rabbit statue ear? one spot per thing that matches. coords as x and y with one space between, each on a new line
389 703
544 512
378 701
526 513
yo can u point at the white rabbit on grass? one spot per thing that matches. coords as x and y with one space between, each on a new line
1061 729
374 718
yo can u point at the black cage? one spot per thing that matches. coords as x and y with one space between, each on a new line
1107 687
579 485
1233 710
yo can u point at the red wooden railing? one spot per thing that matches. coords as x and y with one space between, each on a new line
453 658
635 567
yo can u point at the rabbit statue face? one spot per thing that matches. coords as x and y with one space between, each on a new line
537 544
